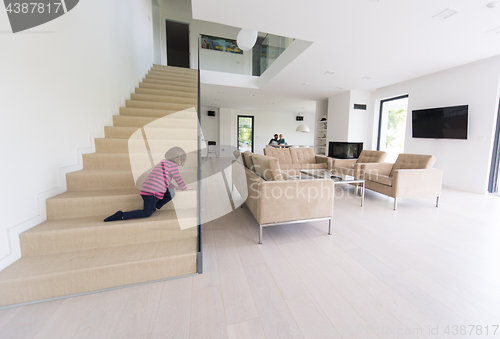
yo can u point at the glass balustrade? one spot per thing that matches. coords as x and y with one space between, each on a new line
223 55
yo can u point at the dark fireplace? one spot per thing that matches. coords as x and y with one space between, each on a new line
344 150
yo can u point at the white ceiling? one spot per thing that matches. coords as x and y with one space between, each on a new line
387 40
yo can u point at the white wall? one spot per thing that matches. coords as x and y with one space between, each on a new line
465 163
61 82
346 124
227 130
338 116
266 124
156 33
359 119
220 61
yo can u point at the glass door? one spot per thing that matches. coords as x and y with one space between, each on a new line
392 126
245 133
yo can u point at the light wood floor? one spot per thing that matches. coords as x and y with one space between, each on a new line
381 274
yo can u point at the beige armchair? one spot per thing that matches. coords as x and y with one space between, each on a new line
353 166
273 200
411 175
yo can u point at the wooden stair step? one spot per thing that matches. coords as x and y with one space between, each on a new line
173 75
63 274
81 204
98 179
188 90
159 105
147 112
69 235
152 133
116 145
152 91
134 121
173 69
162 98
177 84
122 160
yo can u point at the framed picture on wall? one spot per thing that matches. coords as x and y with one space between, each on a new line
219 44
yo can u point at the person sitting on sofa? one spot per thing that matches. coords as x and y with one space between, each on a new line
274 141
281 140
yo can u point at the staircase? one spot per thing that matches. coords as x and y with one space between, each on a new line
74 251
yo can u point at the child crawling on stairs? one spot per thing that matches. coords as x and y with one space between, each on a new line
157 190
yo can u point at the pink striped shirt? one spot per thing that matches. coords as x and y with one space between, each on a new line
159 179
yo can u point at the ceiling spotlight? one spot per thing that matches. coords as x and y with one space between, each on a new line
366 78
252 95
493 4
329 73
445 14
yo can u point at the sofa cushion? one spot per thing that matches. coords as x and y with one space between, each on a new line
380 178
413 161
248 160
267 167
371 156
282 154
290 166
314 166
302 155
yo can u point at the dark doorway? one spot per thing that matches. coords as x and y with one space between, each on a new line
177 44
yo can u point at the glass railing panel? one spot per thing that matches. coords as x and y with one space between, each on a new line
223 55
272 47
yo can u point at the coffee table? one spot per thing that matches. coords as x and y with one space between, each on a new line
336 176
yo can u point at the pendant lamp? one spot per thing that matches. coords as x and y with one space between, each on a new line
246 39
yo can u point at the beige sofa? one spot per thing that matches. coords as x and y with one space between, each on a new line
352 167
276 201
411 175
292 160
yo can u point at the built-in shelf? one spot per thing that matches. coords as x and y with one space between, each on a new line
320 143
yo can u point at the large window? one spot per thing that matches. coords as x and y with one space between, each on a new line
245 133
392 126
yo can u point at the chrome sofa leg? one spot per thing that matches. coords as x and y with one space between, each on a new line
330 226
260 235
437 201
395 203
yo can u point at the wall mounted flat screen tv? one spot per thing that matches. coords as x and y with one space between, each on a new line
441 123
